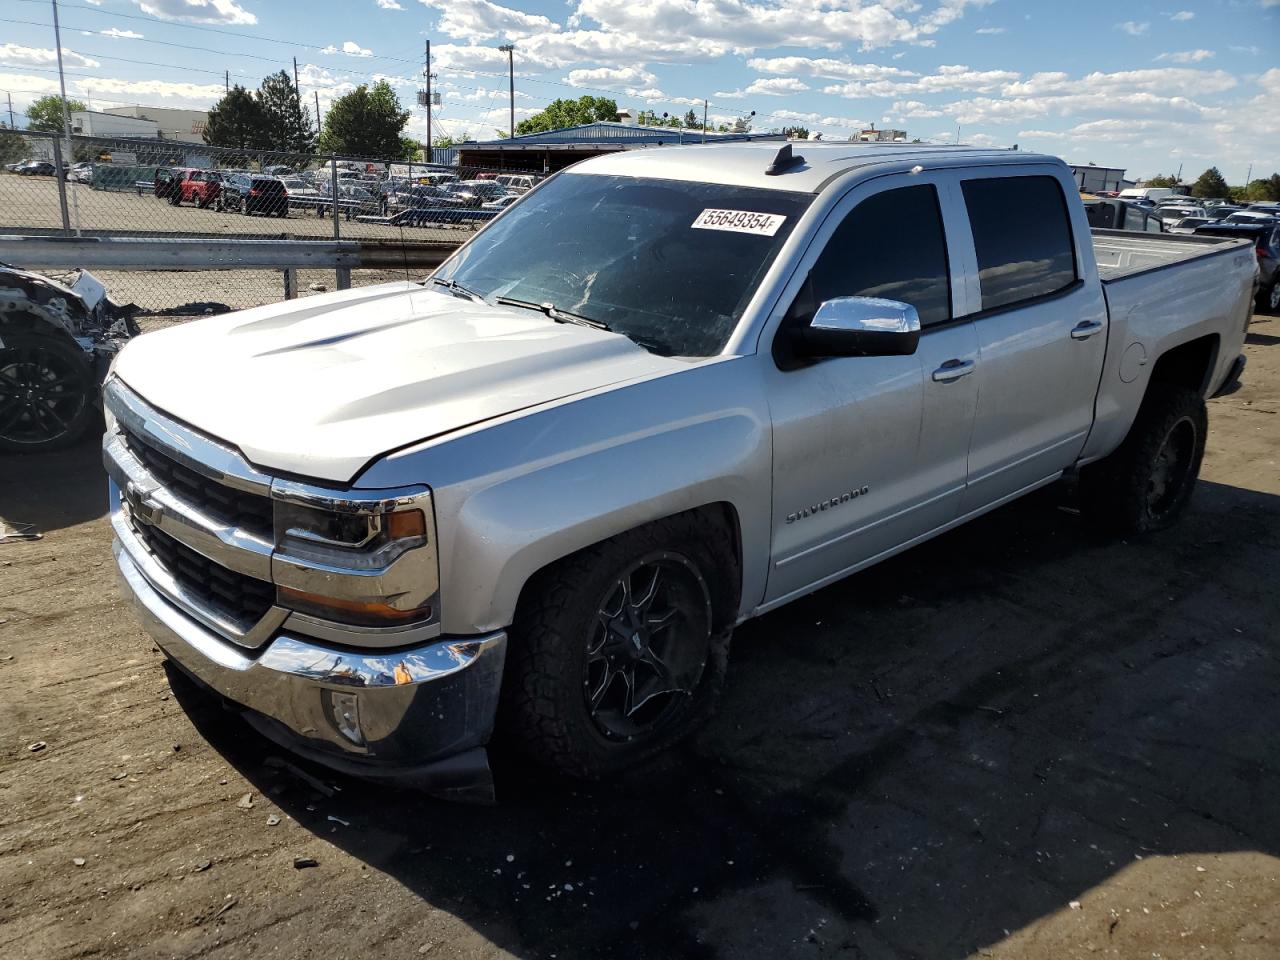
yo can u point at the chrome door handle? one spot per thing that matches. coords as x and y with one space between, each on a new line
1085 329
952 370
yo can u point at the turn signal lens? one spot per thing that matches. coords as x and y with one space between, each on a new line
406 524
350 611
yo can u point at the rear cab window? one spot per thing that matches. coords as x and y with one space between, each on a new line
1022 236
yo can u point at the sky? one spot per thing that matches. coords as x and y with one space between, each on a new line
1149 86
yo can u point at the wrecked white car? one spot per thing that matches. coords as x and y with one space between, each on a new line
56 344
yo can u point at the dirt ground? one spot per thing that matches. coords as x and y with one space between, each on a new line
1017 741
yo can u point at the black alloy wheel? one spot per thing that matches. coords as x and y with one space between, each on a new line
45 390
646 649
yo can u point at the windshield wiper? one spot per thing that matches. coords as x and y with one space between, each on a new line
549 309
458 290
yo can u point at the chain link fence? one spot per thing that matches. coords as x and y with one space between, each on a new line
163 188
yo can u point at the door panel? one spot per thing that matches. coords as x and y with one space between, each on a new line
1042 334
871 452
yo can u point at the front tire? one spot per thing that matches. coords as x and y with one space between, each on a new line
46 391
1269 300
1145 484
619 651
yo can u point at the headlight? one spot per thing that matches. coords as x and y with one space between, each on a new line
365 558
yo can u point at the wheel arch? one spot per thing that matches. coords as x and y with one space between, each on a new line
1190 364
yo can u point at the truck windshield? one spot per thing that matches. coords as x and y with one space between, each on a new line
671 264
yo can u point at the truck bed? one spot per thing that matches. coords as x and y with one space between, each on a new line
1124 253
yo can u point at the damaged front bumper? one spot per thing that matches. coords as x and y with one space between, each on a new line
417 716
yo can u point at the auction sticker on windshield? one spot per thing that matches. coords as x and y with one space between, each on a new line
739 221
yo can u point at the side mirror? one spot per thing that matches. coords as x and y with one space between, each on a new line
860 327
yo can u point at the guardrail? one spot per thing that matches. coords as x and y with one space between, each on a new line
219 253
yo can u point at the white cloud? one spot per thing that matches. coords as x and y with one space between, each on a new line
826 67
468 58
1186 56
947 77
120 34
349 48
914 110
1251 50
389 5
452 94
483 19
612 78
1182 16
199 11
1134 29
596 46
15 55
768 87
991 31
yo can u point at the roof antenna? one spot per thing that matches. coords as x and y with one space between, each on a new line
783 162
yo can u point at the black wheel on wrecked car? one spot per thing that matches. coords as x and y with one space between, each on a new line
619 651
46 392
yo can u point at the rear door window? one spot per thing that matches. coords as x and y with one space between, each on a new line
891 245
1022 236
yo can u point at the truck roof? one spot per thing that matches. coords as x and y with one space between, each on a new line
744 164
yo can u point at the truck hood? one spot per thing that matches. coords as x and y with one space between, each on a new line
320 387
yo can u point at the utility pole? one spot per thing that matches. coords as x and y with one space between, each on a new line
427 70
226 81
66 126
12 127
509 50
704 121
1248 177
295 73
317 93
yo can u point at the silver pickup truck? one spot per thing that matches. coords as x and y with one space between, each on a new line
531 496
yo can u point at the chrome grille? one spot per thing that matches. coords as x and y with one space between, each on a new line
235 508
236 596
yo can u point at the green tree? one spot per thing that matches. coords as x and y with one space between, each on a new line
691 121
237 120
1160 180
1211 183
444 140
287 119
13 146
742 125
796 133
45 113
569 113
366 122
647 118
410 149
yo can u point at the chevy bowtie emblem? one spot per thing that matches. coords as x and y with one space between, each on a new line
141 507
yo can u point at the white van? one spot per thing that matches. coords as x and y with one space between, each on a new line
1150 194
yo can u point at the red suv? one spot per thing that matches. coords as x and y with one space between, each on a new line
180 184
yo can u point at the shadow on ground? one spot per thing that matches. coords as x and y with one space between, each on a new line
909 763
52 491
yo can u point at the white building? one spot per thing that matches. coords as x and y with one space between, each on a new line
184 125
881 136
94 123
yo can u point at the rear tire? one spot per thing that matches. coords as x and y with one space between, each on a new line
46 393
1145 484
620 651
1269 299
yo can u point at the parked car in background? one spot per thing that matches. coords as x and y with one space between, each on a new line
361 198
415 198
235 187
1266 245
181 185
80 173
501 203
298 190
473 193
1221 212
1147 194
13 167
517 183
1176 211
1185 225
268 196
1121 215
37 168
278 171
1250 216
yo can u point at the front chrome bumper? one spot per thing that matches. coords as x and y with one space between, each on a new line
420 714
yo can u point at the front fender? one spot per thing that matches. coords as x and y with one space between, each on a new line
520 494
